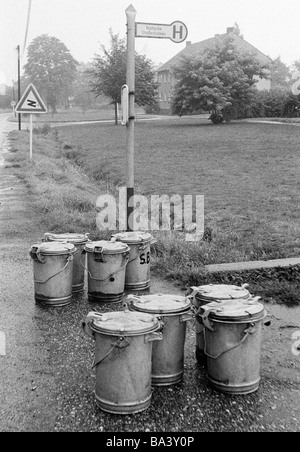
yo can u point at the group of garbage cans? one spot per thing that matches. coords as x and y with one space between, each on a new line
143 344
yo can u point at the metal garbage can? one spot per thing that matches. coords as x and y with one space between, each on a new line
79 240
232 344
168 355
106 266
138 268
123 359
53 272
209 293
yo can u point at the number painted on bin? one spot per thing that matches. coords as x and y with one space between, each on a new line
145 258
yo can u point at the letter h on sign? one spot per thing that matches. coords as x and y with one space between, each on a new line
178 32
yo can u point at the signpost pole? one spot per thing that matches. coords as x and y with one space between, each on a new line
130 81
31 132
19 86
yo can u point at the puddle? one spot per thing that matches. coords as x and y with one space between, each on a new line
289 315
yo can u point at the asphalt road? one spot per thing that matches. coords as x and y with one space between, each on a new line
46 381
25 376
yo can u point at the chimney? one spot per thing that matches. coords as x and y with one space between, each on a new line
230 30
188 43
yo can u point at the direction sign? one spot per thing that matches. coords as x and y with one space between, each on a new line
176 31
31 102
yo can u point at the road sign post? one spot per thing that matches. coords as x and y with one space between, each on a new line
177 32
13 104
32 103
130 81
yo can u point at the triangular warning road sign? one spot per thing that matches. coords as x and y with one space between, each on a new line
31 102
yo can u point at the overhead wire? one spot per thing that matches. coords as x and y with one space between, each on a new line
27 28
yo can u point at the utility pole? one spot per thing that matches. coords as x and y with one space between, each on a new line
19 85
130 80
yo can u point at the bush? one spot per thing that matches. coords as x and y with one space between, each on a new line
42 130
276 103
216 118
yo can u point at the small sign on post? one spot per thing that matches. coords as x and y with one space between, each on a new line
124 105
177 31
13 104
31 102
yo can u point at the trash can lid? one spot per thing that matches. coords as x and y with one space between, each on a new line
133 237
76 239
53 248
106 247
124 323
219 292
235 310
160 303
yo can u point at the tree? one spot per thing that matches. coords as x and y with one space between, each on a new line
280 74
296 66
51 67
221 80
109 74
83 96
6 97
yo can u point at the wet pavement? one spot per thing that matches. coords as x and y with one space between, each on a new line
46 377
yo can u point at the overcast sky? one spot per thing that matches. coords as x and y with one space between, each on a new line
273 26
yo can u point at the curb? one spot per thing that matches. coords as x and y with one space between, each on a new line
252 265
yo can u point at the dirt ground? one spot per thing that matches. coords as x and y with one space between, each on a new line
46 381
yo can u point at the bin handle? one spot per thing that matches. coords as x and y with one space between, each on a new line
86 324
187 317
69 259
250 330
120 343
36 255
107 277
154 337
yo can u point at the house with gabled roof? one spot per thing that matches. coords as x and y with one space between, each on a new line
166 81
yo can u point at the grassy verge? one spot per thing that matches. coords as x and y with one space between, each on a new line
250 208
63 195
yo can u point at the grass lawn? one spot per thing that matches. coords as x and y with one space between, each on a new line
249 174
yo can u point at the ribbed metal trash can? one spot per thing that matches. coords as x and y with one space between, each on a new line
106 266
79 240
123 359
53 272
232 344
168 355
138 268
212 293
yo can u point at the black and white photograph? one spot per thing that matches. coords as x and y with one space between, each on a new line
149 219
